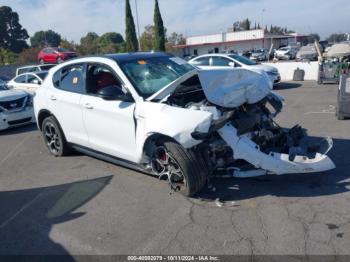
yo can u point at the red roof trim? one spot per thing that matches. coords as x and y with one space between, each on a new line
230 42
217 43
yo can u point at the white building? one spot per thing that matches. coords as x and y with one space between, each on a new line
235 42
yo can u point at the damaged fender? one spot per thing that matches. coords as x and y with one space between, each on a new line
273 163
177 123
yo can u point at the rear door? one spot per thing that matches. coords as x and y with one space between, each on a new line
32 83
202 62
64 102
110 125
221 62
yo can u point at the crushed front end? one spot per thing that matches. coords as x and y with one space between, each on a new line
243 138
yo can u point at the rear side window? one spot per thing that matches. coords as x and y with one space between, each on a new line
220 61
70 78
21 79
27 70
204 61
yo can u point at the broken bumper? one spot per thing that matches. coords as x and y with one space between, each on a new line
273 163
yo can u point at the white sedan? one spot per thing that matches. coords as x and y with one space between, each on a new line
214 61
16 108
156 113
29 82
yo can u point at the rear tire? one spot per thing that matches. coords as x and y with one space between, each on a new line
194 176
41 61
54 138
59 60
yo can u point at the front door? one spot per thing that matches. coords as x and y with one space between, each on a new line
110 125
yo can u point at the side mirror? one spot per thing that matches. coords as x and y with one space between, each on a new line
113 92
232 64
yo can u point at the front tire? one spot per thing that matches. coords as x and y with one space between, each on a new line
54 137
59 60
181 167
41 61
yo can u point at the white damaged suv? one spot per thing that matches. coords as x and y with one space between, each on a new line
155 113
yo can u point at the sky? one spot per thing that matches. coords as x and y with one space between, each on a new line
75 18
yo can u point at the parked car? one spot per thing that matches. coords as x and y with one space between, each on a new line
29 82
247 53
212 61
287 53
55 55
4 79
308 52
33 68
259 55
16 108
156 113
343 104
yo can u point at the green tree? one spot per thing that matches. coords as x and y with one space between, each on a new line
147 38
159 31
89 44
7 57
45 38
28 56
336 38
132 44
245 24
173 40
110 43
68 45
12 35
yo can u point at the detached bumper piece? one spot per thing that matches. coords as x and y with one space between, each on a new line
275 163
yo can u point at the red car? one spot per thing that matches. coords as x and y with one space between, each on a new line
55 55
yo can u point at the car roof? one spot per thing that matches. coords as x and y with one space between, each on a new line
125 57
29 66
33 73
222 55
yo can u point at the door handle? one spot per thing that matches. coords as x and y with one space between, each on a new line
53 98
88 106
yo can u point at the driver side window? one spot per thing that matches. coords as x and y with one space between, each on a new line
98 77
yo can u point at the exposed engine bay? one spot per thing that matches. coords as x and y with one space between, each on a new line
245 140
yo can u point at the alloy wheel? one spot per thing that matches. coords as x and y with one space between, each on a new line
167 168
52 138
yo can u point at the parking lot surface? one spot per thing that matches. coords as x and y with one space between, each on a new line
80 205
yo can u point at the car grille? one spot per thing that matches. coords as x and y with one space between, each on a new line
20 121
14 104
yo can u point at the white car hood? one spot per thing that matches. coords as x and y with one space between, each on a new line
282 52
233 88
9 95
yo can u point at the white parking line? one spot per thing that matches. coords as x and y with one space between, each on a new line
330 110
20 211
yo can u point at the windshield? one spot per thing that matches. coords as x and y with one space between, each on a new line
152 74
60 49
243 59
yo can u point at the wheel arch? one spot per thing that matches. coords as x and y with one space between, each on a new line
44 113
152 140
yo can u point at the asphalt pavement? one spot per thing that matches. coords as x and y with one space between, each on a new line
79 205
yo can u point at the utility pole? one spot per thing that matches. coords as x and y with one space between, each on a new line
137 21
